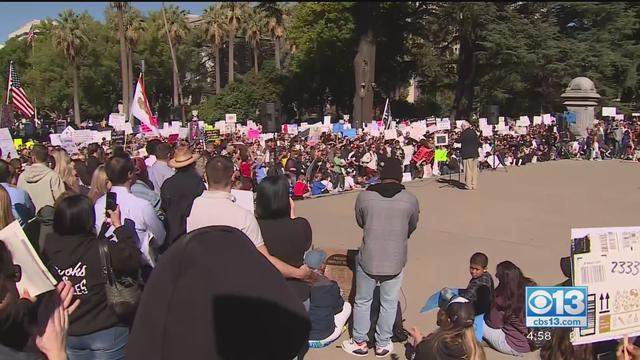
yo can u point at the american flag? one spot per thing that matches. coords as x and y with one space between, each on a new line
17 96
30 37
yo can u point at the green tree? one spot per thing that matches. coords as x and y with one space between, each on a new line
120 8
253 25
214 28
135 26
276 22
176 29
234 13
69 36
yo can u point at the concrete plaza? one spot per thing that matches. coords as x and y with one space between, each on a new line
524 215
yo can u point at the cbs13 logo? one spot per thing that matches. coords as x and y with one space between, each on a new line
556 301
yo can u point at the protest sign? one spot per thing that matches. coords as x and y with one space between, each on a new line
336 128
374 132
183 132
315 131
173 138
327 120
417 133
117 137
619 116
487 131
605 260
337 269
17 143
523 121
82 137
220 124
253 134
6 144
390 134
116 120
441 139
482 122
304 126
230 118
440 155
521 130
443 124
546 119
459 124
128 129
67 143
212 134
36 279
345 117
570 116
431 129
106 135
54 139
635 114
537 120
349 133
608 111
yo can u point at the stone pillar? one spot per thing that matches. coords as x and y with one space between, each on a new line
581 98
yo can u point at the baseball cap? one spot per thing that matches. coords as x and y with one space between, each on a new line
315 258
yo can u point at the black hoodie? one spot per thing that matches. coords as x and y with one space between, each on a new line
77 258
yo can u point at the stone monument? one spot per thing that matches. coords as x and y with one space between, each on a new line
581 97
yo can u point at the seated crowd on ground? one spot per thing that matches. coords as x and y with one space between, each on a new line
176 196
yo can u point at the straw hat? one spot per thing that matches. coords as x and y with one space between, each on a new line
183 157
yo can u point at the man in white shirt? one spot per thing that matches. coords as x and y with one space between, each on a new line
120 171
217 206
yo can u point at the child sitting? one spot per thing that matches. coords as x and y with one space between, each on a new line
328 312
480 288
317 186
301 189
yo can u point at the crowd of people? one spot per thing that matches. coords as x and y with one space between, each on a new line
152 207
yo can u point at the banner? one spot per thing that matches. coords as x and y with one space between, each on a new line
608 111
7 146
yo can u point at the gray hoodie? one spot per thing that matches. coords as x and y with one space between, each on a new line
43 185
388 214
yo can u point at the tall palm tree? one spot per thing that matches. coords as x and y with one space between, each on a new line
276 19
134 27
176 29
233 15
253 28
68 34
121 7
214 28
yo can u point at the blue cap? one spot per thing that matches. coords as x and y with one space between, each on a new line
315 258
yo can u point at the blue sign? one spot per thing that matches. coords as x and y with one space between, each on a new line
556 306
349 133
338 128
570 116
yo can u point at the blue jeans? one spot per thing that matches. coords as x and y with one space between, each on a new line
108 344
389 294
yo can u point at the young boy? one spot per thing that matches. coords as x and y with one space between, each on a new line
328 312
480 288
301 189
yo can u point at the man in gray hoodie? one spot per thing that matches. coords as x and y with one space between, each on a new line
43 184
388 214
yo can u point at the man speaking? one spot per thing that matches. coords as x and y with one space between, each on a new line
469 151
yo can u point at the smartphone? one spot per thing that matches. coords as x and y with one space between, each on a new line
112 202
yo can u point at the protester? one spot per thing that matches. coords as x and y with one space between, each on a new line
72 252
135 211
43 184
469 152
228 213
100 184
64 168
179 191
151 147
160 170
21 205
480 288
388 215
504 327
143 188
210 293
301 190
286 237
454 338
327 310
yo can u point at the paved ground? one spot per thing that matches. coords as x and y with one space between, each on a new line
524 216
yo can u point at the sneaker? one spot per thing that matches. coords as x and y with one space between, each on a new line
384 351
355 348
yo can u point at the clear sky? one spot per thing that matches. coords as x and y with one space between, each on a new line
15 14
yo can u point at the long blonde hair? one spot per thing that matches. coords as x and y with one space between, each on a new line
100 184
64 168
6 213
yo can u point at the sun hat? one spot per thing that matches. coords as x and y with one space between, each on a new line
183 157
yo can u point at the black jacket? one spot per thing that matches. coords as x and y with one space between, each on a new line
470 144
177 195
325 303
480 292
77 259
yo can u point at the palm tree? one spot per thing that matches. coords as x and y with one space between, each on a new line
214 28
124 68
233 15
253 28
176 29
68 34
276 19
134 27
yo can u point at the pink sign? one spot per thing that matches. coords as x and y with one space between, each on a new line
380 124
253 134
145 129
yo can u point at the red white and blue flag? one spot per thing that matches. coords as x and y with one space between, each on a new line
16 94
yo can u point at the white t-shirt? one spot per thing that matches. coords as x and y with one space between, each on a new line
408 154
349 184
220 208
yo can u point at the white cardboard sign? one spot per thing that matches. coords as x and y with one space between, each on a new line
230 118
608 111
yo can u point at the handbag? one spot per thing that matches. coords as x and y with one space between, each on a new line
123 293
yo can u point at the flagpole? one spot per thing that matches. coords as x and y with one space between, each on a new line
33 67
9 82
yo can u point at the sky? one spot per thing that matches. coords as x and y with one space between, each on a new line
15 14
